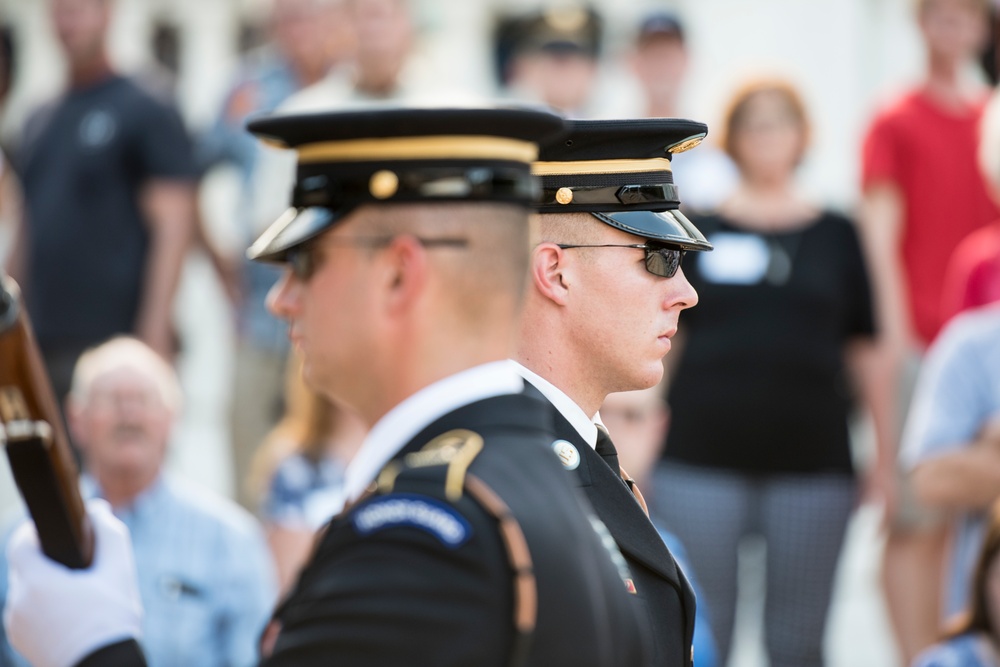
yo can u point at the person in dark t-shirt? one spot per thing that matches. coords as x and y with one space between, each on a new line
108 180
784 309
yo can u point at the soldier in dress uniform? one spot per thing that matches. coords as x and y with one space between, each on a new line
464 542
606 292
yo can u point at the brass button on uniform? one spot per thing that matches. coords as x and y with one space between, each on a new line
567 453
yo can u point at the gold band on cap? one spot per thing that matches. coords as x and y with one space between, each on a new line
600 167
420 148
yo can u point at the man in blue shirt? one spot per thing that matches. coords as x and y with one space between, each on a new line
205 578
951 444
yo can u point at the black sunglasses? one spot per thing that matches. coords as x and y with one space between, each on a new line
303 260
661 260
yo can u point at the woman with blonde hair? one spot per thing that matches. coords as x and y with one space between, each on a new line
299 470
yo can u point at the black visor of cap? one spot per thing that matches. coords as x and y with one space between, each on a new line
670 227
293 228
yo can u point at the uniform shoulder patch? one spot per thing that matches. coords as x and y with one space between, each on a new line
416 511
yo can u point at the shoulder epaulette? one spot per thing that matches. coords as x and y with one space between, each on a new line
453 451
448 457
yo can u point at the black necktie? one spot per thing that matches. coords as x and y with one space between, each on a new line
606 449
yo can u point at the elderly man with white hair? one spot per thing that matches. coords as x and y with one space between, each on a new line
205 578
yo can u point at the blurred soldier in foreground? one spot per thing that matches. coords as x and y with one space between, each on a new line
606 292
464 542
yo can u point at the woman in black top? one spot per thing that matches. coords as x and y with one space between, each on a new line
761 389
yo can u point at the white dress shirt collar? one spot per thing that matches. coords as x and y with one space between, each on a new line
574 414
393 431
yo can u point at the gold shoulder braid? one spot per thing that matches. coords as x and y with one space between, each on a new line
457 449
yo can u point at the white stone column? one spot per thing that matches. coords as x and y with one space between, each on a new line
208 58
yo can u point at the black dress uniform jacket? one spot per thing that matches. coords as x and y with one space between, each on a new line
399 594
662 592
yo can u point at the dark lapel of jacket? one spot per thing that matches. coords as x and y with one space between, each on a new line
617 508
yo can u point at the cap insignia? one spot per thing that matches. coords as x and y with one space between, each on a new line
686 144
383 184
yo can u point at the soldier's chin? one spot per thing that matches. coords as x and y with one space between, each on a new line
646 377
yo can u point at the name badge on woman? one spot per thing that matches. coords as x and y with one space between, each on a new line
738 259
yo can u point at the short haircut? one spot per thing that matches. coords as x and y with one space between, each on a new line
740 101
125 352
571 228
490 271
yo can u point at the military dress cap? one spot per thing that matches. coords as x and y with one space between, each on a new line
385 155
620 172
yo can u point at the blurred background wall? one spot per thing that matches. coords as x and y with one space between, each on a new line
845 54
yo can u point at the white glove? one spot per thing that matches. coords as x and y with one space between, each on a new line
56 616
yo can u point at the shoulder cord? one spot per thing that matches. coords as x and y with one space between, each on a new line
519 557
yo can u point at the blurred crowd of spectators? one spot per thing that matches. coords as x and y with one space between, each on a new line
808 317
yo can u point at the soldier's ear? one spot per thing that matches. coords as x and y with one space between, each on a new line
405 272
550 276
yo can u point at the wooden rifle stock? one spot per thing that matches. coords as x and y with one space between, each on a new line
32 432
